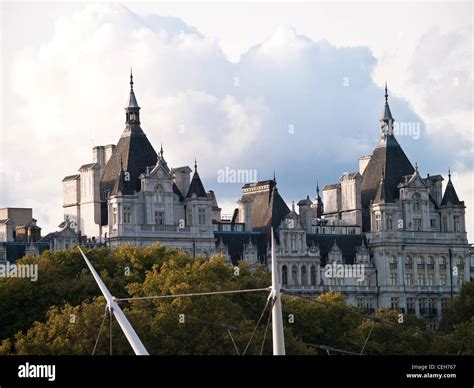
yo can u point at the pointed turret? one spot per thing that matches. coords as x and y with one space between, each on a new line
450 196
383 195
132 155
319 203
196 188
387 118
389 161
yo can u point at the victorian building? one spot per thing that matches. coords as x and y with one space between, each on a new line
394 238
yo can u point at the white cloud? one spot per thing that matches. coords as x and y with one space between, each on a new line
72 90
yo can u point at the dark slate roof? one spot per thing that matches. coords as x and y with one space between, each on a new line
236 241
71 177
132 101
196 187
136 153
347 243
122 186
268 207
383 195
450 196
387 114
17 250
388 158
177 192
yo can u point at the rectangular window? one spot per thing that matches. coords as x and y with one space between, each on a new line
430 279
421 279
423 309
456 224
417 224
410 305
393 278
408 279
159 217
377 222
394 303
389 222
433 223
114 216
202 216
442 279
127 215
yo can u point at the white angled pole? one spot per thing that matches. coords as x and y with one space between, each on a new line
125 325
277 319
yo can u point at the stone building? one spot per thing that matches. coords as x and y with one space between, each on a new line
384 236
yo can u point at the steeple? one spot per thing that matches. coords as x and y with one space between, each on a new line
383 195
319 203
386 121
132 154
450 196
132 111
196 187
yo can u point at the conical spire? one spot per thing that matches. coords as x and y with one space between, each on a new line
196 187
382 194
387 119
450 196
132 101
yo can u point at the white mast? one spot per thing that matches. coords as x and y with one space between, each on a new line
277 319
112 305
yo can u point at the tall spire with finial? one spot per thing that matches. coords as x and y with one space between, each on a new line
161 150
387 119
195 165
132 110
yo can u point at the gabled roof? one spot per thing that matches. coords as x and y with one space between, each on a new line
450 196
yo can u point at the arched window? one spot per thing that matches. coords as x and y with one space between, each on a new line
304 276
294 275
313 275
284 275
158 194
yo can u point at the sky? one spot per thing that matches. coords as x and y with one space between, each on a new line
294 89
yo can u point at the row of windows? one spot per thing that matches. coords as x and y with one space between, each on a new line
428 280
303 280
159 216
